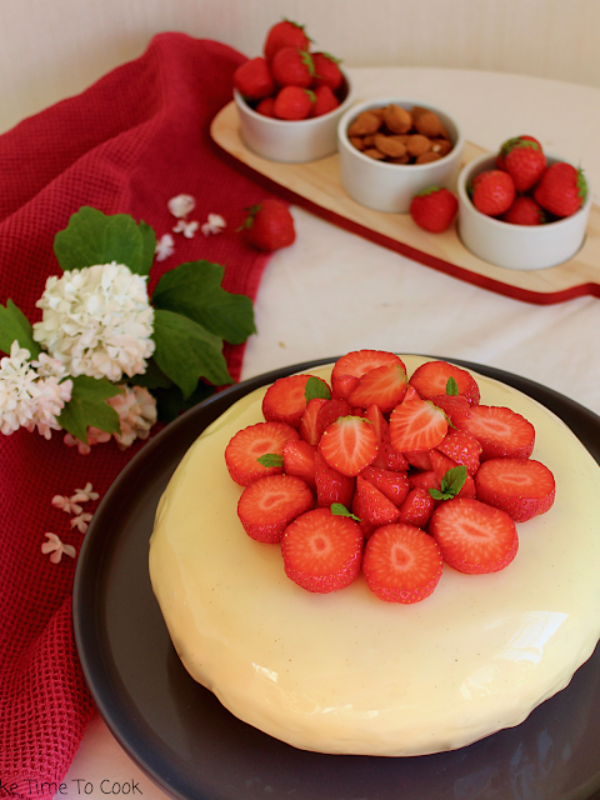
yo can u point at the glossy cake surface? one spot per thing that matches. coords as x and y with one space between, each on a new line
349 673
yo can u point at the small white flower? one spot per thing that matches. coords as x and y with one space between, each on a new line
67 504
18 390
215 224
97 321
165 247
85 495
182 205
94 436
187 228
136 408
81 522
56 548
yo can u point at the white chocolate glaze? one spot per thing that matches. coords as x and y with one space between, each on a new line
349 673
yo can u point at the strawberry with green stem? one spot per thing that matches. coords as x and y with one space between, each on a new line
269 225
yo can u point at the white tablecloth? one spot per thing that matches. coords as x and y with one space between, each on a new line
332 292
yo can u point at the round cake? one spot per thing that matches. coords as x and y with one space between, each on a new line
346 672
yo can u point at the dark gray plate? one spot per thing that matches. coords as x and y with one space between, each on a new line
194 749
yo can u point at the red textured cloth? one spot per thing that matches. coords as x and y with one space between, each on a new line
136 138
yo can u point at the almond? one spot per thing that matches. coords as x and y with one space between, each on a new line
364 124
389 146
429 125
441 146
425 158
397 119
357 141
373 152
417 145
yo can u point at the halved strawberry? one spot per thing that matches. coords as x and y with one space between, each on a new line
387 456
463 448
268 505
455 406
421 459
331 411
474 537
332 486
349 445
299 460
372 505
417 507
522 487
322 551
501 432
401 564
309 427
417 425
355 365
249 444
385 386
431 380
285 400
394 485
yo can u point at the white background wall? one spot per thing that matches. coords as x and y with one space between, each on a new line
50 49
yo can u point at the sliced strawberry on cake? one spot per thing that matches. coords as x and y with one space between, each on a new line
385 386
401 563
387 456
349 445
434 378
322 551
248 445
299 460
456 407
394 485
285 400
417 425
474 537
330 412
501 432
463 448
332 486
522 487
372 505
348 369
309 427
268 505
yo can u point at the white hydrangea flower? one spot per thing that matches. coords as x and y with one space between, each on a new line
56 548
97 321
94 436
85 495
214 224
181 205
81 522
136 408
165 247
18 390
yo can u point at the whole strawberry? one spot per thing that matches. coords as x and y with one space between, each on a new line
293 103
327 72
434 209
293 67
525 211
524 161
325 101
501 152
285 34
493 192
562 189
269 225
253 79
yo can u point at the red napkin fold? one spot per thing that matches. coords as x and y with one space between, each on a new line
129 143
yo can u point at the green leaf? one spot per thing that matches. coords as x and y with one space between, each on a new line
88 406
340 510
170 402
186 351
92 237
153 378
271 460
316 388
148 247
451 484
14 325
451 386
194 290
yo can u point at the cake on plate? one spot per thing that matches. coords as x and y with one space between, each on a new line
347 672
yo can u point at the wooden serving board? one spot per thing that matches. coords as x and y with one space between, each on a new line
316 186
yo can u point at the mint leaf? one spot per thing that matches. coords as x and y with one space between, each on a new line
316 388
271 460
92 237
194 290
185 352
170 402
451 387
451 484
340 510
148 248
88 406
14 325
